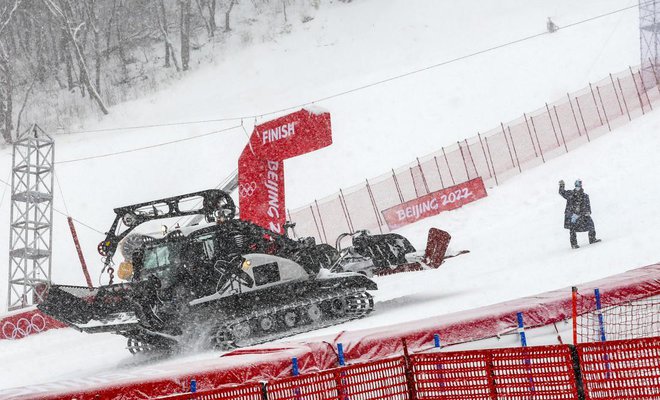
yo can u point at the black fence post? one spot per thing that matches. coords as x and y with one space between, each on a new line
575 358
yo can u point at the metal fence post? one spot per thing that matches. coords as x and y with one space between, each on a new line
573 111
373 203
531 119
467 146
561 131
448 167
318 210
484 151
507 145
410 374
586 131
552 123
639 97
442 182
616 94
604 112
593 96
536 154
467 173
491 161
398 188
625 103
421 171
513 144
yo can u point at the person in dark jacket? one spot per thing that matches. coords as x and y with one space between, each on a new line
577 215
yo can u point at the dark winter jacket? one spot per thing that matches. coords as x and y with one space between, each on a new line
577 202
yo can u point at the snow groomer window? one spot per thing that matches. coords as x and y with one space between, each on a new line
156 257
266 273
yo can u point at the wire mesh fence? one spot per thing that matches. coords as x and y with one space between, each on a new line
495 155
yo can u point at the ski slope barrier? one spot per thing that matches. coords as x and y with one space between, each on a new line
23 323
273 361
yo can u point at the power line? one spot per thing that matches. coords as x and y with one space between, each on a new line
147 147
359 88
63 213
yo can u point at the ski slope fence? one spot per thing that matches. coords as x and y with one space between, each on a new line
495 155
403 362
628 369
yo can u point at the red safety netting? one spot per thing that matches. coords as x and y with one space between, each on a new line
544 372
250 391
496 155
273 361
621 370
383 379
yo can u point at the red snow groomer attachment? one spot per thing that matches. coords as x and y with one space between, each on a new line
390 253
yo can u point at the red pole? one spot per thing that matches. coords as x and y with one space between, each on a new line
83 264
575 336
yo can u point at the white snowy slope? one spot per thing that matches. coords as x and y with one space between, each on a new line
518 246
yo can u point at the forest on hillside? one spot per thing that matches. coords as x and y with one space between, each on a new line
62 60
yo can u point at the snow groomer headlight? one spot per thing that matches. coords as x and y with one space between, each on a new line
125 270
246 264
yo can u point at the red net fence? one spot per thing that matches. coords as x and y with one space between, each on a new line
628 369
599 321
495 155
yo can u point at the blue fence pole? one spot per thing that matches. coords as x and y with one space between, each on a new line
436 340
294 366
521 329
601 328
523 342
340 354
601 324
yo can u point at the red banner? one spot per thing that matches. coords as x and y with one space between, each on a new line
25 323
261 165
434 203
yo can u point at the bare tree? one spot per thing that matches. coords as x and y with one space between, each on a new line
161 19
6 89
65 19
185 33
227 13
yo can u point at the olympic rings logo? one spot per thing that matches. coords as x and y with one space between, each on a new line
247 189
23 327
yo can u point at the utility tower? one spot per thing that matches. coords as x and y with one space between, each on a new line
649 41
30 229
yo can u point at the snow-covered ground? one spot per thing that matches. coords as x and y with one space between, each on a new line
517 242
